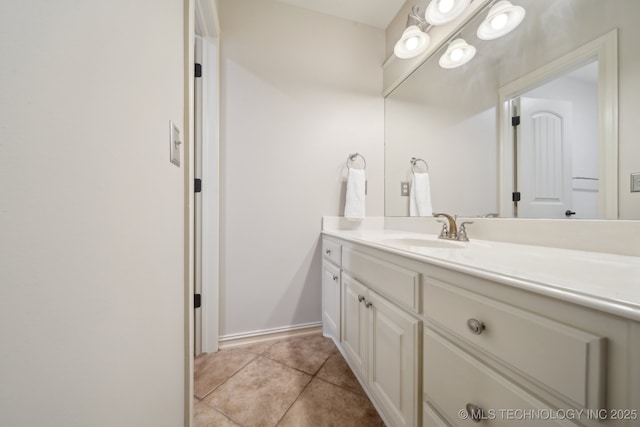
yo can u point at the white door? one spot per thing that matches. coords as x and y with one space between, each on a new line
544 158
393 360
354 323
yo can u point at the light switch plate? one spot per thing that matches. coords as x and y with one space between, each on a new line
635 182
174 144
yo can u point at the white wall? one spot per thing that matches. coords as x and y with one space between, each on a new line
301 91
91 214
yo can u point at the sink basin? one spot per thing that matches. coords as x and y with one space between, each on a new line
423 243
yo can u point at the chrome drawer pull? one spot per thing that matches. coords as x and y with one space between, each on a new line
328 251
335 278
360 298
475 326
368 304
474 412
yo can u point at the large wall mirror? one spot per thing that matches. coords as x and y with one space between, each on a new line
571 73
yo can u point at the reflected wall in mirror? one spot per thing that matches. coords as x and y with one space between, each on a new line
450 117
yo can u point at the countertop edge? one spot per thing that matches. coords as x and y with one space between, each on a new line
629 311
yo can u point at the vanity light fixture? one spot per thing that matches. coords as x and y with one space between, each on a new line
442 11
414 39
503 18
458 53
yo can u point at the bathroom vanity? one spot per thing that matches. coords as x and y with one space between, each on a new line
446 333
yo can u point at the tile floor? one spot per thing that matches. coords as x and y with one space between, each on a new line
295 382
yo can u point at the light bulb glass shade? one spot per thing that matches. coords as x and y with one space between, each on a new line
458 53
503 18
412 43
442 11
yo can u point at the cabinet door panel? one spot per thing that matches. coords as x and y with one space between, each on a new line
354 323
331 300
393 360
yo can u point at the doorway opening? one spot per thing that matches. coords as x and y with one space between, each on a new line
558 143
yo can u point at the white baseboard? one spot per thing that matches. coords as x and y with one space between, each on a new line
265 335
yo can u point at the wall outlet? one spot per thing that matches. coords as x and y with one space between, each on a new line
635 182
404 188
174 144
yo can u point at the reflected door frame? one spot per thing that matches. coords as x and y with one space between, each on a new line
605 50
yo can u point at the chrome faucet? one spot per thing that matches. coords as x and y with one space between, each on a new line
451 231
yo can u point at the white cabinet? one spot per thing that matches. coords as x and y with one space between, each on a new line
331 310
487 344
355 324
331 301
382 345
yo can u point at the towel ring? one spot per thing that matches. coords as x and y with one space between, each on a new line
353 157
414 161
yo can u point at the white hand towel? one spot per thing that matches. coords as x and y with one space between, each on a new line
355 199
420 196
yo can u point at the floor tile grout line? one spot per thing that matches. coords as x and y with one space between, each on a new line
262 354
228 378
284 414
313 376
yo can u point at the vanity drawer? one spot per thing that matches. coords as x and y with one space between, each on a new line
396 283
557 356
430 417
332 251
453 378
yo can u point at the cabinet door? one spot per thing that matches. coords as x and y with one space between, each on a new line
354 323
394 338
331 300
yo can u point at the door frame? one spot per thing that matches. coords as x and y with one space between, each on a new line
207 29
604 49
200 18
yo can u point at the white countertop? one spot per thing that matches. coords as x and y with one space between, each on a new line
607 282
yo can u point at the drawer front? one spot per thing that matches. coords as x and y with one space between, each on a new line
430 418
396 283
453 379
332 251
562 358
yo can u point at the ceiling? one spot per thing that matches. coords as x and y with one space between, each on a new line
377 13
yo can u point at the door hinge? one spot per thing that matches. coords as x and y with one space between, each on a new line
197 300
198 70
515 121
197 185
515 196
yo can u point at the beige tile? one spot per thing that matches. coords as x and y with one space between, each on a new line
206 416
337 371
260 393
211 370
326 405
306 353
258 347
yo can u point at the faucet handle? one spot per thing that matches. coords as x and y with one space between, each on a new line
444 233
462 232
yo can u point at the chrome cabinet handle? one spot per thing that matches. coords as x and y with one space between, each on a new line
328 251
368 304
475 412
475 326
335 278
360 298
